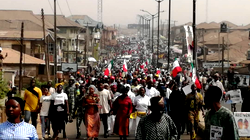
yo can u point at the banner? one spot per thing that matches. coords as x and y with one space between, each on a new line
189 41
234 96
242 120
242 79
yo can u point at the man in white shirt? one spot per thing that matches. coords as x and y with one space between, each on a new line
151 91
218 83
105 102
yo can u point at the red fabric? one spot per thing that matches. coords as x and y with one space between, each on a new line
106 72
123 107
197 83
176 70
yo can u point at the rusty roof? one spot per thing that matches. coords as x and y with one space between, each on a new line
14 58
62 21
11 29
237 53
23 15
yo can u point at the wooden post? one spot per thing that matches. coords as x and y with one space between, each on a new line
21 61
45 49
55 44
204 48
223 47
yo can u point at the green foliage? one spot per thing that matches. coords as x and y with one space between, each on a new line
39 84
4 88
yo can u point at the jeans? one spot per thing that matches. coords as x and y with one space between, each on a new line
45 125
33 115
104 118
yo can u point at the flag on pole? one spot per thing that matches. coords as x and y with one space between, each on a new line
176 68
107 71
125 68
195 79
148 61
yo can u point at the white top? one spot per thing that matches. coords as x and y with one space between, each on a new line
116 95
104 96
219 84
131 95
52 90
152 92
168 92
45 101
59 98
142 103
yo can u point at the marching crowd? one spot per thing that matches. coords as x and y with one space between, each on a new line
151 103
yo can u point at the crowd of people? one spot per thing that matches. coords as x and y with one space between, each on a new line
149 102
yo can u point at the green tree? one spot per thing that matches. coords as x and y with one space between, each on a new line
4 88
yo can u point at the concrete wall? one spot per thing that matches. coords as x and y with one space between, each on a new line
9 43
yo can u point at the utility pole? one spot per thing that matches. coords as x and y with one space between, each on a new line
169 30
153 36
55 44
45 49
223 48
204 48
77 46
87 45
21 61
194 32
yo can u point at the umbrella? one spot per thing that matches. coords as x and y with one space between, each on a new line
92 59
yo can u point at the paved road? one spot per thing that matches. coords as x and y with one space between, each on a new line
71 134
71 130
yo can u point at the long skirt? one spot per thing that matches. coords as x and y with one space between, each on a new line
92 123
121 125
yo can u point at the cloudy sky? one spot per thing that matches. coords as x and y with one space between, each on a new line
124 11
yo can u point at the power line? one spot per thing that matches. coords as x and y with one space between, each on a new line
69 7
50 6
59 7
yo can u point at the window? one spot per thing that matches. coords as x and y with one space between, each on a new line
63 31
51 48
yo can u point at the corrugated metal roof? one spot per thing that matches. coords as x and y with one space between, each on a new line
62 21
85 20
23 15
14 58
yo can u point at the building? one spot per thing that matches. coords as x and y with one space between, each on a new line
73 42
32 67
93 32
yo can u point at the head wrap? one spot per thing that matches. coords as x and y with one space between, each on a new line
92 86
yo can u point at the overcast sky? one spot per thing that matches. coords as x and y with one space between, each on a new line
124 11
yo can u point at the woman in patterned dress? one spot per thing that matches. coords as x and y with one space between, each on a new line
92 118
123 106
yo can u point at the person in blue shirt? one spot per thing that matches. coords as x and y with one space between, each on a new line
15 128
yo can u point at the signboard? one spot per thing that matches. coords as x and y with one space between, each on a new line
215 132
72 67
212 65
242 120
187 89
235 96
223 28
242 80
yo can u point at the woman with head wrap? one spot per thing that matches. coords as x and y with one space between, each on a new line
92 118
15 128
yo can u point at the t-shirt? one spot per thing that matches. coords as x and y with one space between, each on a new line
222 118
152 92
45 101
104 98
31 100
142 103
59 98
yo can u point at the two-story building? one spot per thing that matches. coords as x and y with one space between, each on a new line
74 39
93 33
